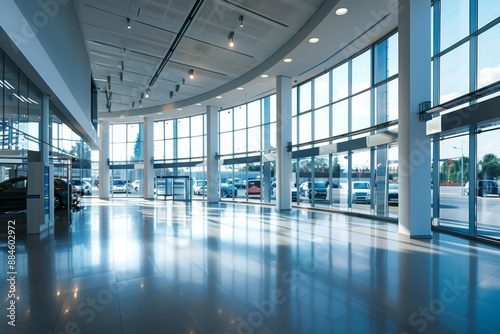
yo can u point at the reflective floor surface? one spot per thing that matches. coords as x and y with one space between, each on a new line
154 267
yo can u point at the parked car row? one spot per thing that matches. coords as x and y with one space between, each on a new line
13 194
484 188
82 187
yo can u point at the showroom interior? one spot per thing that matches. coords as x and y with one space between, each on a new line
225 166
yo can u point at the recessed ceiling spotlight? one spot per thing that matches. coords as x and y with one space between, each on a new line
179 108
341 11
230 38
219 97
198 104
287 60
263 76
159 113
128 23
240 88
313 40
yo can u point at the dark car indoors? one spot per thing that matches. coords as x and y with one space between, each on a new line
13 194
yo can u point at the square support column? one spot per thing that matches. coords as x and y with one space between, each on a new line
212 155
414 145
149 171
103 161
283 139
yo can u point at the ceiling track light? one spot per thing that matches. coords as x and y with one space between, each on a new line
128 23
177 87
123 65
109 82
241 21
142 96
121 77
171 94
191 73
183 81
230 38
147 93
133 104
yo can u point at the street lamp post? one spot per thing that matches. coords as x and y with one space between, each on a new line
461 165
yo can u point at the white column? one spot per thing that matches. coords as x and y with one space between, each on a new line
149 171
212 162
103 161
283 138
414 145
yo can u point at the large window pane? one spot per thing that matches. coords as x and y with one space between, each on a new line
488 176
254 113
159 150
321 90
305 97
454 75
169 149
294 130
272 107
454 21
240 117
183 148
240 141
488 62
321 123
453 172
305 128
197 125
361 113
183 127
226 143
294 101
159 133
361 72
254 139
340 118
119 134
488 10
386 58
132 132
340 83
169 129
226 120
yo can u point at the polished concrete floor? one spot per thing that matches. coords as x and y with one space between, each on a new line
154 267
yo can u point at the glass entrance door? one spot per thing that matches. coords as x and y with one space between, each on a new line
487 187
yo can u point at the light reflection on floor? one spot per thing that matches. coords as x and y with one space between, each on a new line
136 266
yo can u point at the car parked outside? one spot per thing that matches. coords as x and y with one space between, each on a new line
136 184
293 190
82 187
319 191
393 193
252 187
236 182
13 194
227 190
199 187
484 188
120 186
360 192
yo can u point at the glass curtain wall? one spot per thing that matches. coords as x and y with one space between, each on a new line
180 150
333 111
20 128
126 160
465 43
247 146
